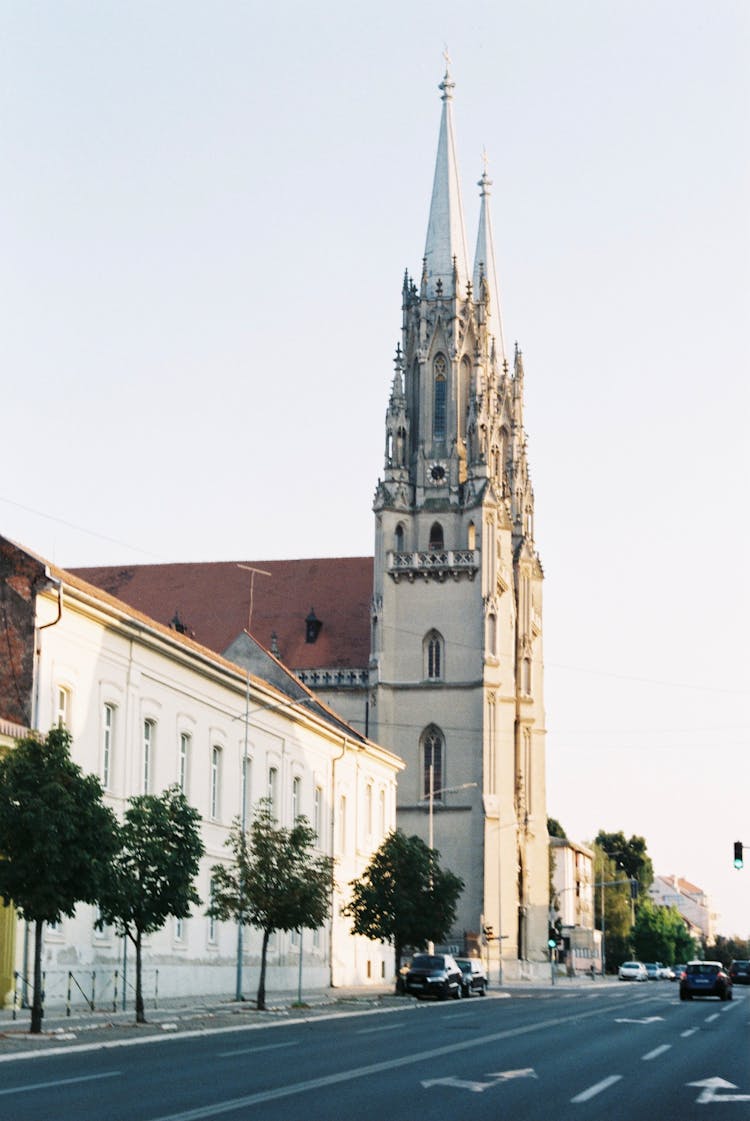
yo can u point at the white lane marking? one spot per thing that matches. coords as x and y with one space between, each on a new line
690 1031
370 1031
710 1019
710 1091
255 1050
656 1052
597 1088
59 1082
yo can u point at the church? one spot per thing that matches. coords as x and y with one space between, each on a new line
432 647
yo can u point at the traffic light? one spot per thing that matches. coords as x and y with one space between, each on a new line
739 860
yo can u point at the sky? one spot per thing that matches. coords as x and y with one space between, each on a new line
206 211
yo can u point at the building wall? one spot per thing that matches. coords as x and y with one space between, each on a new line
97 659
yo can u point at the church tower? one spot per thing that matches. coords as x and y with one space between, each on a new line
456 671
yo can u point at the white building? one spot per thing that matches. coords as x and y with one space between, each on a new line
147 707
572 904
691 901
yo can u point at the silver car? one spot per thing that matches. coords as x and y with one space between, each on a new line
632 971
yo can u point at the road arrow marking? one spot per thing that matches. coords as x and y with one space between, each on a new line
506 1075
710 1088
478 1087
459 1083
645 1020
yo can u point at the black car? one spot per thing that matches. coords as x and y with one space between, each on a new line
474 977
435 975
705 978
739 971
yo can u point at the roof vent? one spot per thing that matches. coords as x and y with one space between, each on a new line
177 624
312 626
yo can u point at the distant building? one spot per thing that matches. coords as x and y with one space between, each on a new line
573 904
148 707
692 903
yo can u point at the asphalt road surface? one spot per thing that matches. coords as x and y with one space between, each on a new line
624 1053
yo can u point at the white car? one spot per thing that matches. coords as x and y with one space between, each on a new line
632 971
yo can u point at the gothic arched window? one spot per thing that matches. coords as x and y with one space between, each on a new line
471 536
433 656
436 536
399 538
440 399
432 761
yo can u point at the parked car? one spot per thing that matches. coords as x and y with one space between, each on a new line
653 970
677 971
435 975
739 971
668 973
474 976
632 971
705 978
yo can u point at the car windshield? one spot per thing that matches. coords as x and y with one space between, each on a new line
463 964
704 968
428 961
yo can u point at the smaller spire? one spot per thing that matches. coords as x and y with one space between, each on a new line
484 259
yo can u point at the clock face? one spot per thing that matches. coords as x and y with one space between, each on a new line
437 472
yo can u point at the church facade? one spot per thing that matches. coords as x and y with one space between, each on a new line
456 671
433 646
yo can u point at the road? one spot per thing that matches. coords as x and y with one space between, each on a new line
626 1052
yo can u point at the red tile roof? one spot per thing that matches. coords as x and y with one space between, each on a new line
212 601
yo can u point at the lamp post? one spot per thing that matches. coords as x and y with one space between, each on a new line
431 811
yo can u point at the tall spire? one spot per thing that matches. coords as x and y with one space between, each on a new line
484 262
446 236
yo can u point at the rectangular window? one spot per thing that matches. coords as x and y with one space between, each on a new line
215 781
342 823
381 813
107 744
246 789
148 747
183 762
296 793
273 789
63 708
318 814
179 930
368 809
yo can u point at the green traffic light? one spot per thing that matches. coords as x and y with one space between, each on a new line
739 860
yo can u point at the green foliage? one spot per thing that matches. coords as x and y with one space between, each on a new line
631 856
276 880
56 837
404 897
617 907
727 950
659 934
555 829
159 851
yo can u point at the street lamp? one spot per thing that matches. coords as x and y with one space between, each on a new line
431 804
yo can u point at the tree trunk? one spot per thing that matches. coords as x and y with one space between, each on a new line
37 1011
140 1015
261 1001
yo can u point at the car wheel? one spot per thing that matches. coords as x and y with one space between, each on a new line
483 991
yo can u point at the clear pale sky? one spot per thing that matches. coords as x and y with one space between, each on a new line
205 215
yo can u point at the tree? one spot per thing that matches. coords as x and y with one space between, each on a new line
555 829
659 934
157 858
616 900
404 896
56 838
276 880
630 855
